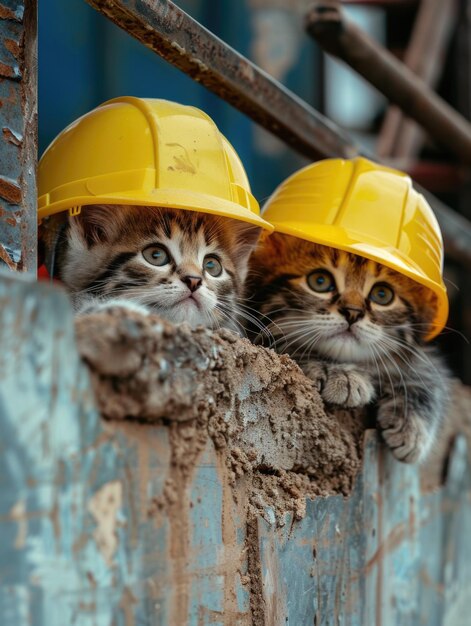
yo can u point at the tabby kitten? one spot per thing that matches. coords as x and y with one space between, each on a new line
358 330
183 265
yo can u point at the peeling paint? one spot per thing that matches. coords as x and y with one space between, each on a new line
18 514
10 190
12 136
9 71
7 13
12 46
7 258
104 507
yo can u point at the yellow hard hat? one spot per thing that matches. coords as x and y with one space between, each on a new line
369 210
145 152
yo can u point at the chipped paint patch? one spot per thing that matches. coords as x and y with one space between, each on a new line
18 514
104 507
11 136
5 257
9 71
8 14
10 190
12 46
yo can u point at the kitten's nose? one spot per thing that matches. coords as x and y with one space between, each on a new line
192 282
352 313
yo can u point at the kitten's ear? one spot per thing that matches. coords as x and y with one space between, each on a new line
276 243
247 236
96 223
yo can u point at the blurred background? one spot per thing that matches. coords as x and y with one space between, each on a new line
98 61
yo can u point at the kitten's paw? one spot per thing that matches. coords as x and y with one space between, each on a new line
341 385
345 386
317 372
408 437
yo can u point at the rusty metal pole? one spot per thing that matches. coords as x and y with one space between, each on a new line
433 28
326 23
18 134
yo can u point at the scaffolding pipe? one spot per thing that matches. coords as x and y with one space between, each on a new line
433 28
339 37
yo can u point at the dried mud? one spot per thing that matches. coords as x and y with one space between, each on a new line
263 415
265 418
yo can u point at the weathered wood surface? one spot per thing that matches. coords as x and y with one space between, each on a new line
18 133
84 516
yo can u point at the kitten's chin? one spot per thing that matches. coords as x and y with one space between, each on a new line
344 349
187 311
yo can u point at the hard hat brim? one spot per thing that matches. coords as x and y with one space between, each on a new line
165 198
353 243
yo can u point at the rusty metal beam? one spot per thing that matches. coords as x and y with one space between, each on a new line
179 39
435 23
18 134
175 36
326 23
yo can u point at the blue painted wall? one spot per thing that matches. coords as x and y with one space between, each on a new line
85 60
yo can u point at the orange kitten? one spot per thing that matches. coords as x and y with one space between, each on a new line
358 329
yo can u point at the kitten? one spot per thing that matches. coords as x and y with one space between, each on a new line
358 330
183 265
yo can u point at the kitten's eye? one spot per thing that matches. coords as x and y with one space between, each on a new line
381 294
212 265
321 281
156 255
